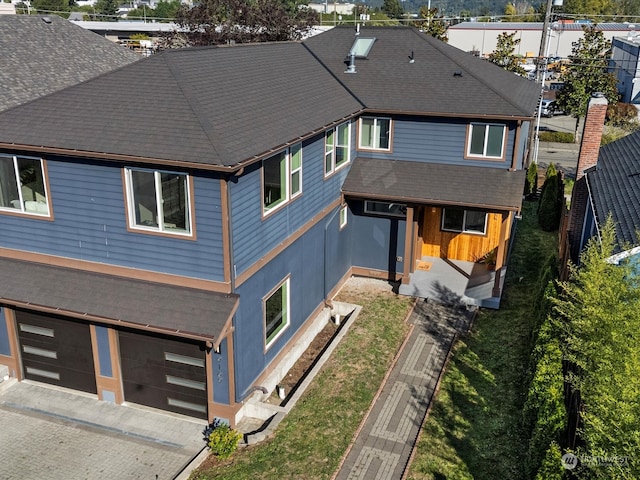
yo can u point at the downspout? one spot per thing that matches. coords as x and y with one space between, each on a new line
232 279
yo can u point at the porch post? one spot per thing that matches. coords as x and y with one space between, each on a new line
501 253
408 246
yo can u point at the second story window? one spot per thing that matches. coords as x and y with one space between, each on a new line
23 187
374 133
486 140
159 201
337 142
281 177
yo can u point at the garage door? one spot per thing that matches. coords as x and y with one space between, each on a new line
56 350
164 373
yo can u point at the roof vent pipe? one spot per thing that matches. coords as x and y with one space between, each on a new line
357 29
352 63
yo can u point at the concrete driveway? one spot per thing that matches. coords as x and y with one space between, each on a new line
54 434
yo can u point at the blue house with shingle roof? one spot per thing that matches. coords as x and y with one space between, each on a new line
174 242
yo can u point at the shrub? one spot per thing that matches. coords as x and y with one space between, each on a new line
561 137
551 468
531 183
551 200
221 439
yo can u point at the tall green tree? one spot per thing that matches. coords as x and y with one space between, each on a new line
212 22
587 73
598 312
504 55
551 200
106 10
432 24
392 8
53 6
589 7
520 12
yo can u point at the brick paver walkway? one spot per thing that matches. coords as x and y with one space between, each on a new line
385 441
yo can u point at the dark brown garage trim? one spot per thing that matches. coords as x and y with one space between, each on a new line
180 311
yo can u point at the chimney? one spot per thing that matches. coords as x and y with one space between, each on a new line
591 134
588 157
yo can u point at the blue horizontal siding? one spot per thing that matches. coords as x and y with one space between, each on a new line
377 241
90 224
304 262
253 236
438 140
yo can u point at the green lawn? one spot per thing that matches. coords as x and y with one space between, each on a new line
474 429
311 440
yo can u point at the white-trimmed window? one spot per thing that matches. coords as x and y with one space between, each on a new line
486 140
343 216
455 219
23 186
386 209
276 312
159 201
374 133
282 177
337 144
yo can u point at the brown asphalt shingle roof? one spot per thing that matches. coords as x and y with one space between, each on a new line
387 81
224 106
442 184
204 106
39 58
117 300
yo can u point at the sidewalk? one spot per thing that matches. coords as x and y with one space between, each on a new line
385 440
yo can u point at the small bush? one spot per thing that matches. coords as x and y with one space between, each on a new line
551 468
561 137
531 183
221 439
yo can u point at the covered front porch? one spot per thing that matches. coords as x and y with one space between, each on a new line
455 282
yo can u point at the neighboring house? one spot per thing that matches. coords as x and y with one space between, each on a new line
173 232
482 38
607 183
42 54
624 64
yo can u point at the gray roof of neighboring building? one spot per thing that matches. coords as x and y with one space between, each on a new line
220 107
387 81
406 181
615 187
117 300
40 57
202 106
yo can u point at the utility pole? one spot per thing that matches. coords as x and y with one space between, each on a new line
544 40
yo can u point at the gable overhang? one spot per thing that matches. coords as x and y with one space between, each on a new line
495 189
117 301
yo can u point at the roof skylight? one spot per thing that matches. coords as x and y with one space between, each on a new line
362 46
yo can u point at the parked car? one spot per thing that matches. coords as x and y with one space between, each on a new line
550 108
